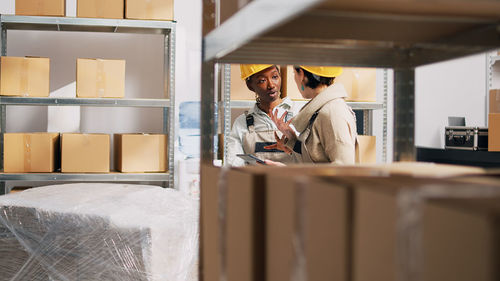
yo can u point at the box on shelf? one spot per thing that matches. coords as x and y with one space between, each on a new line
359 83
494 132
367 149
239 89
149 9
494 101
24 76
16 189
31 152
85 153
100 78
140 152
108 9
54 8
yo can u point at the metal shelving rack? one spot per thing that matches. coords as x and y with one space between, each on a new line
359 33
165 28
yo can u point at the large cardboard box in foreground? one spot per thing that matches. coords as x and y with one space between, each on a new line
441 236
100 78
140 152
108 9
85 153
55 8
494 132
210 240
149 9
264 210
24 76
31 152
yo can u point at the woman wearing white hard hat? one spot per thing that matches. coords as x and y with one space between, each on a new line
254 130
326 124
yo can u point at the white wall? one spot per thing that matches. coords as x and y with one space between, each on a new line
451 88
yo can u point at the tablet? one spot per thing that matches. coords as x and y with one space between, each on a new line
251 159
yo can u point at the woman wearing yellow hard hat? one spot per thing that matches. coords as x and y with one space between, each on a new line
326 124
254 130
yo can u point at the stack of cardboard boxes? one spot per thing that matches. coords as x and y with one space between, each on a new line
111 9
83 153
30 76
494 121
349 223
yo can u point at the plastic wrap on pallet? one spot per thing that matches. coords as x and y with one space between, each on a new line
97 231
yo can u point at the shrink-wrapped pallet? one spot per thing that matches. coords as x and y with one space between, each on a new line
98 232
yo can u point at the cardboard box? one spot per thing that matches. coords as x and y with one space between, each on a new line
360 84
306 218
259 238
85 153
16 189
380 219
24 76
54 8
350 227
100 78
239 89
149 9
138 153
229 7
210 227
108 9
367 149
31 152
494 101
494 132
255 226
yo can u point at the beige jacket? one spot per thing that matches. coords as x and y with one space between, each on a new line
332 135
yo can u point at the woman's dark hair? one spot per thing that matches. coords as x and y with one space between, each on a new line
312 79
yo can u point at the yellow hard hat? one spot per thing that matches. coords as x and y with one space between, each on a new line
248 70
324 71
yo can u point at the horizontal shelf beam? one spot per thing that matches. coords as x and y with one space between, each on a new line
253 20
354 105
109 177
85 24
102 102
359 38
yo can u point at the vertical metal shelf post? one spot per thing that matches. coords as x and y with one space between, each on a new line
384 133
207 111
3 108
227 107
404 114
367 122
169 92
